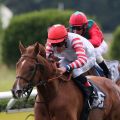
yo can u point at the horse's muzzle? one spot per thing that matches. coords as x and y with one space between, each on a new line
16 93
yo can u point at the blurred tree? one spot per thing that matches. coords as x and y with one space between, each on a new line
0 19
115 46
106 11
0 25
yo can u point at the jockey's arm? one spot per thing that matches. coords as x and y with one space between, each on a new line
50 54
77 45
49 50
96 36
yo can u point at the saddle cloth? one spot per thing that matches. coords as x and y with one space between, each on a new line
98 100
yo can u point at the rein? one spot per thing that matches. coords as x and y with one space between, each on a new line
30 82
41 82
30 86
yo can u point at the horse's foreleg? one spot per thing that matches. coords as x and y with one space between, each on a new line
65 115
41 112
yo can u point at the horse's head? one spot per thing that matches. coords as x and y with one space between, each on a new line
27 69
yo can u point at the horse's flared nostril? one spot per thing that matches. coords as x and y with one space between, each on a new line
16 93
19 93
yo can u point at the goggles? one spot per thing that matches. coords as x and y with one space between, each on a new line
78 28
58 44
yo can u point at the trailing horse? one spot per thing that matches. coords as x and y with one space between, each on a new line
114 68
59 98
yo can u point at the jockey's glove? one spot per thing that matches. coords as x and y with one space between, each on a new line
68 68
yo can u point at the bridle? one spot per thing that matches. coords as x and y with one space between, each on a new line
27 91
40 83
37 66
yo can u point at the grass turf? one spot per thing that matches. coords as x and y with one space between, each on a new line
7 78
17 116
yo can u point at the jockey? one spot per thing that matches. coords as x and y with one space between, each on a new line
89 29
77 54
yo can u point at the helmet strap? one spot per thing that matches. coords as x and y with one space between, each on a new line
70 29
65 44
84 29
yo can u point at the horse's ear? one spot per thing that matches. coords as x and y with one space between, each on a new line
21 47
36 48
42 50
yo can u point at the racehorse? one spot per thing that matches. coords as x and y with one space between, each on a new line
58 97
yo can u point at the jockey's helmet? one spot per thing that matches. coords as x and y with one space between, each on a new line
78 19
57 33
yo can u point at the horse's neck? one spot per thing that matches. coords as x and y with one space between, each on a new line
50 73
49 90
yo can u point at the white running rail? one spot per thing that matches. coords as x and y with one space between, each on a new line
12 101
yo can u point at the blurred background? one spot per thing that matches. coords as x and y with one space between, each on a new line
28 20
106 12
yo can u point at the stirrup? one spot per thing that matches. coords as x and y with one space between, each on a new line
93 95
90 107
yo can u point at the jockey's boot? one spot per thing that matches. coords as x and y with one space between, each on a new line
105 69
85 85
87 88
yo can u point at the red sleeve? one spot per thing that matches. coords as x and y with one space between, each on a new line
77 45
96 35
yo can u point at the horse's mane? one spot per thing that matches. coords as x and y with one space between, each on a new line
52 67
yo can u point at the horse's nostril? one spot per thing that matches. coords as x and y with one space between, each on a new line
16 93
19 93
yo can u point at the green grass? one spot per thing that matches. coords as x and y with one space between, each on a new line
16 116
7 78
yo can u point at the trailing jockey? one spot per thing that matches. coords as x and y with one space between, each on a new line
76 52
79 24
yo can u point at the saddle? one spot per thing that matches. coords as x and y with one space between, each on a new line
93 102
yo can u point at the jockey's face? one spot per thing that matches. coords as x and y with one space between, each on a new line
77 29
78 32
59 47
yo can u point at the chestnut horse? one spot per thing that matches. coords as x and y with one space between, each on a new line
59 98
